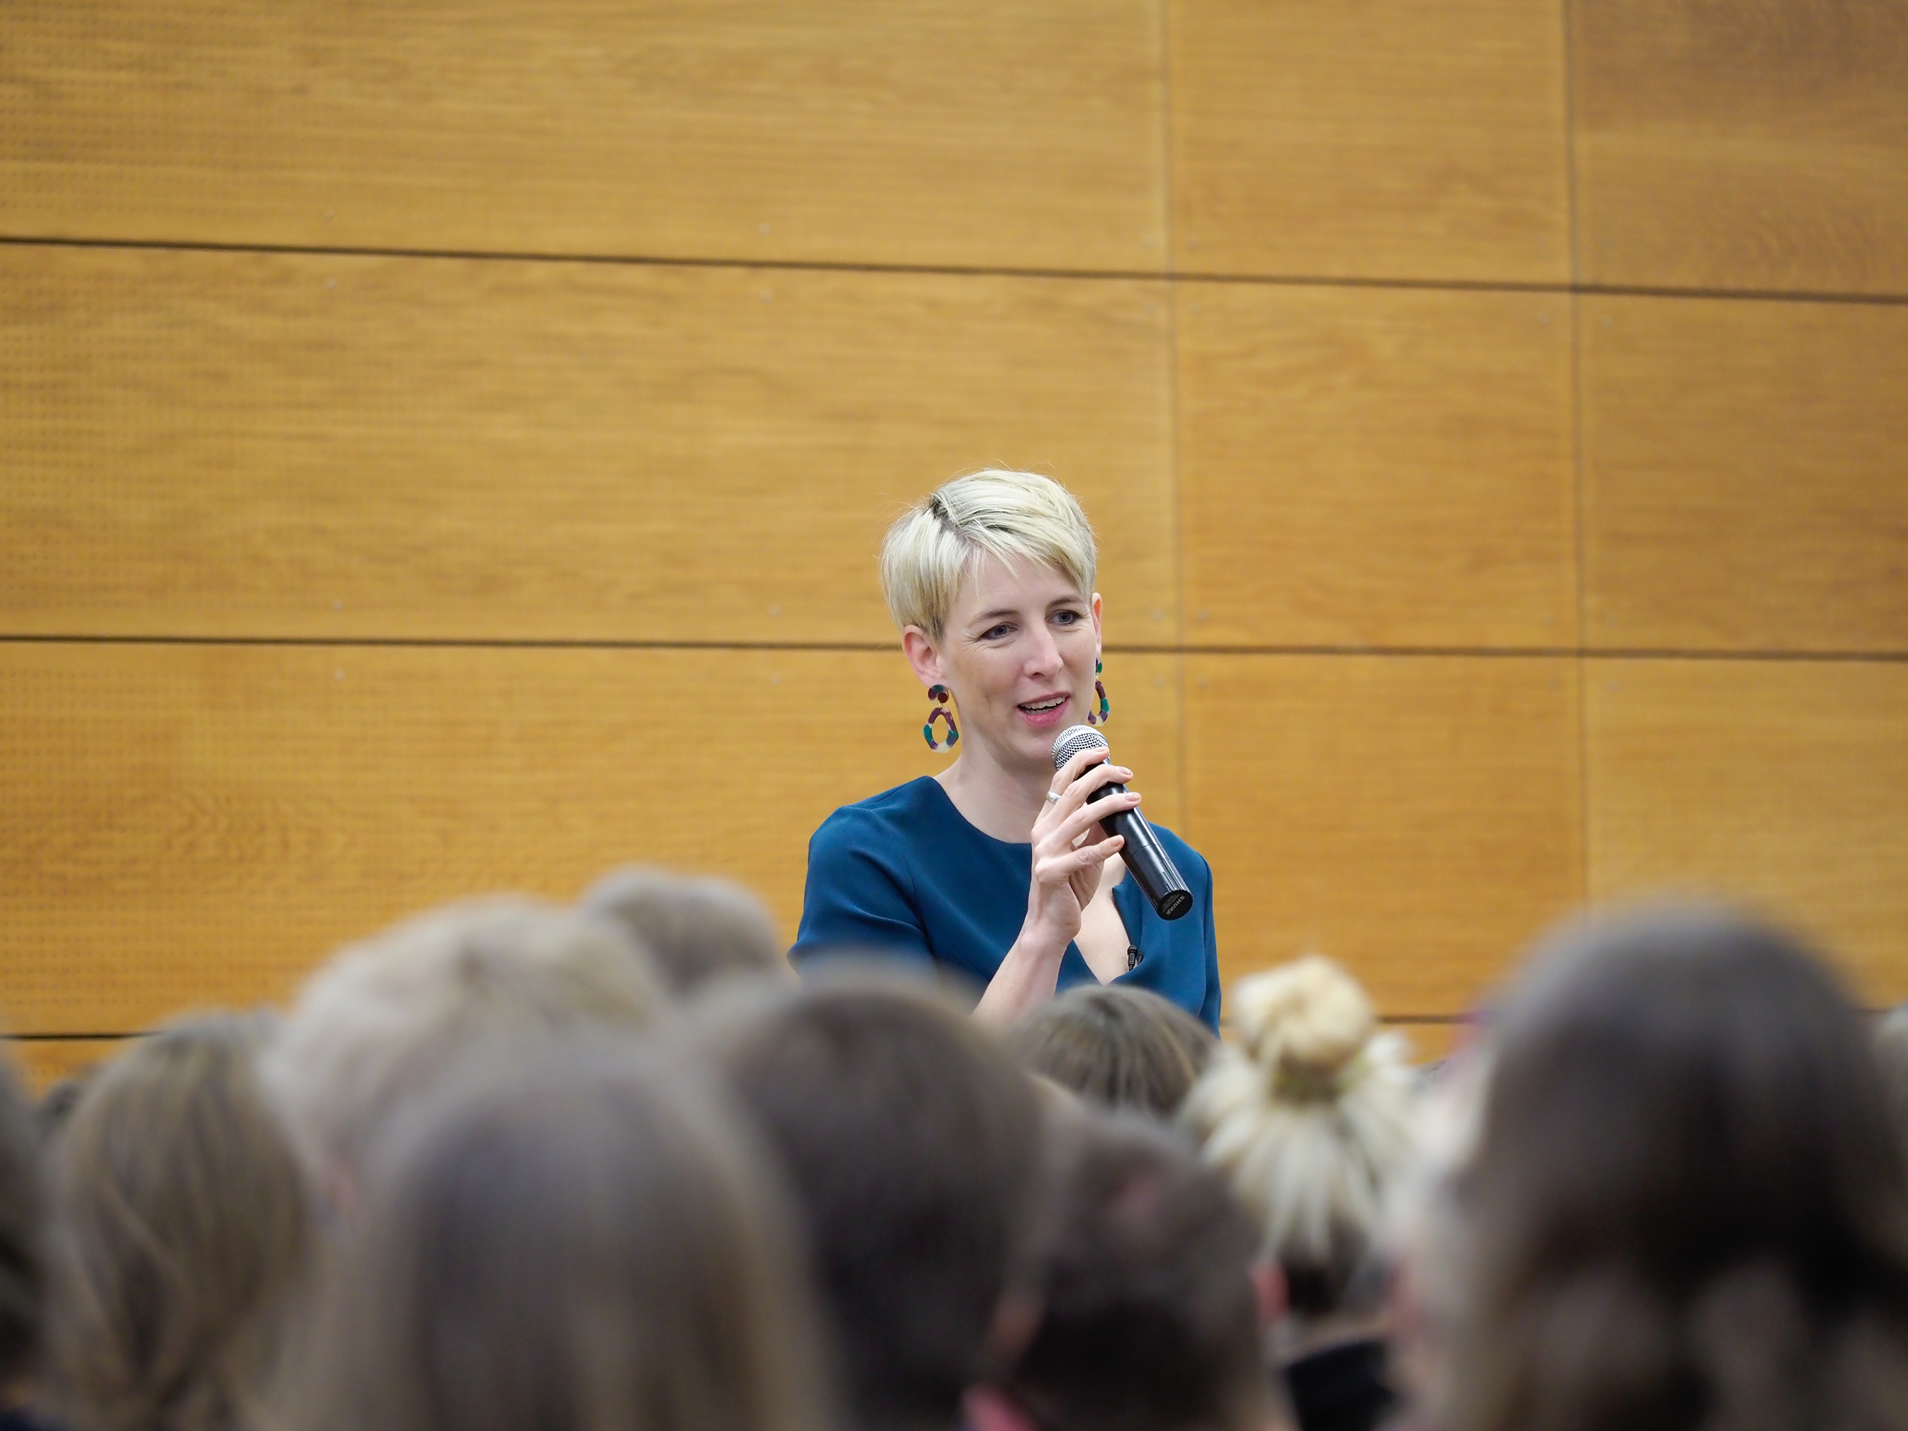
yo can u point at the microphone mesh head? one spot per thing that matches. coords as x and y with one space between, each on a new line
1073 740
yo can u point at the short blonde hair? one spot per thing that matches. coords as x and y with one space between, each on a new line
388 1019
1012 516
1311 1121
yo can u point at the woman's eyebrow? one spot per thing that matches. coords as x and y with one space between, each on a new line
997 613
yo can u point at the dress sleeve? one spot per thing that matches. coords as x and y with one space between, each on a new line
858 894
1209 1010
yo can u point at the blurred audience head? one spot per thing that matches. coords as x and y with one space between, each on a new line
180 1230
1139 1270
55 1106
696 930
386 1019
22 1255
570 1239
1115 1046
1688 1206
1310 1120
910 1140
1891 1049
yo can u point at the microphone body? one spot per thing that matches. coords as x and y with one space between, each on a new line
1146 858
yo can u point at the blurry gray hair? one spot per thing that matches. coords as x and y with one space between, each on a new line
697 930
386 1019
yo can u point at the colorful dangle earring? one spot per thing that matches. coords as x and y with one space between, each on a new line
1105 712
940 710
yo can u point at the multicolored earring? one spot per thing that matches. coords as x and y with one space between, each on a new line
1105 712
940 710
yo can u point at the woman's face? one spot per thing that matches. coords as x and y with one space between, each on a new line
1017 650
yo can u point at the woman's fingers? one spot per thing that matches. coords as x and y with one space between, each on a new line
1059 868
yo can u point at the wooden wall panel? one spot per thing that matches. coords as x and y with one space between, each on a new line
1415 817
1778 782
1745 474
1388 139
312 445
962 132
192 825
1747 144
1365 466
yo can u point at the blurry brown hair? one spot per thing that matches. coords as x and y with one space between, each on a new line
697 930
1141 1264
570 1240
22 1258
1120 1047
180 1228
910 1140
1688 1208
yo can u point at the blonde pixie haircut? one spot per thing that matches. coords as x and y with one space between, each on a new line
1012 516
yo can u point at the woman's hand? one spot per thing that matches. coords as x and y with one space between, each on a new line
1070 852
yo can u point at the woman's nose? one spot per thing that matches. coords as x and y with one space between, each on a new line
1044 657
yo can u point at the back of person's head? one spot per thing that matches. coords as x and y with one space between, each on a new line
570 1239
384 1020
1116 1046
180 1229
696 930
1688 1207
1891 1049
1140 1265
22 1258
55 1106
1310 1121
911 1143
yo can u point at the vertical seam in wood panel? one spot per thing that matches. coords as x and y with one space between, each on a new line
1567 14
1169 295
1583 669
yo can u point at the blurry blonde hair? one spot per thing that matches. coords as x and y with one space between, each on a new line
1310 1120
386 1019
181 1228
1012 516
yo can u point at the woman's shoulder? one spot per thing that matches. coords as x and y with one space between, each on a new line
888 816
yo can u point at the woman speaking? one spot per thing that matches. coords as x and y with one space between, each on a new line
998 867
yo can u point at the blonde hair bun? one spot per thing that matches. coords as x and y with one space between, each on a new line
1304 1023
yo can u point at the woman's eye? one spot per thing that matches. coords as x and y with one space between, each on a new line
1067 618
995 632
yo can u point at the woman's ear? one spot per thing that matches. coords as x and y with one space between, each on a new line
1268 1281
1097 628
922 655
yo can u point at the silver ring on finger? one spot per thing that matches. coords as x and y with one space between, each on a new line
1053 797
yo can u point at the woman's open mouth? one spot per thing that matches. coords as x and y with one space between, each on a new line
1044 710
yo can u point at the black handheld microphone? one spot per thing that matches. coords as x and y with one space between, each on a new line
1146 858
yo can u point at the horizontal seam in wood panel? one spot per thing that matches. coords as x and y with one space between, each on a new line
71 1037
1456 285
479 643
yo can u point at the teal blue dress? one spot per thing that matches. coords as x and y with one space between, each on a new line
904 875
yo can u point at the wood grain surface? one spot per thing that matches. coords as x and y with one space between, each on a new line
1414 817
1745 475
1779 783
196 825
1384 467
242 444
1386 139
978 133
1742 144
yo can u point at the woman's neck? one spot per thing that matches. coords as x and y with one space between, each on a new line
993 798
